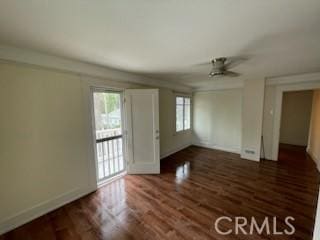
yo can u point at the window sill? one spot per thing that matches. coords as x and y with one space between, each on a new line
183 132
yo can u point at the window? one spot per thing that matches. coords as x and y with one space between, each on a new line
183 113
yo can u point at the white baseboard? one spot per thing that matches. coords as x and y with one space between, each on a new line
250 157
174 150
314 158
112 179
216 147
41 209
45 207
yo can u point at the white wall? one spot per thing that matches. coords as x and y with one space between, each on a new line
316 231
217 119
238 125
252 115
295 117
45 139
170 141
268 115
314 138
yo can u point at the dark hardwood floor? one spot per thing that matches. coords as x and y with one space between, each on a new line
196 186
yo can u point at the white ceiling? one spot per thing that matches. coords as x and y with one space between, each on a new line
166 39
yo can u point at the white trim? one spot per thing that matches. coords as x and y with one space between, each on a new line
167 154
41 209
314 158
182 94
114 178
35 58
316 231
216 147
87 85
278 108
94 89
93 166
221 84
311 123
292 79
247 156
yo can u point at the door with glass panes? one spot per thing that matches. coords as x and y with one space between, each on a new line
109 142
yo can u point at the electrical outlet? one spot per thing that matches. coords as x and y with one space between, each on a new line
249 151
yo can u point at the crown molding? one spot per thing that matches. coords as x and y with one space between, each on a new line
293 79
35 58
221 84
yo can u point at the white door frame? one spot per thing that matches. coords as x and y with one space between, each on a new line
87 84
278 110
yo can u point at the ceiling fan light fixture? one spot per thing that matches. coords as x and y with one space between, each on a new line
215 73
220 68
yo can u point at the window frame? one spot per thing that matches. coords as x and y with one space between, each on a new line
183 114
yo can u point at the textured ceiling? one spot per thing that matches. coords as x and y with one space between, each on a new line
167 39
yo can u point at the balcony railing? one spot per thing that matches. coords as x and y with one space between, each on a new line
109 154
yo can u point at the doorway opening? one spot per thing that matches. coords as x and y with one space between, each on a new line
295 125
108 125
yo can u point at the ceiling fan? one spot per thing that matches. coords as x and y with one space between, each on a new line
221 66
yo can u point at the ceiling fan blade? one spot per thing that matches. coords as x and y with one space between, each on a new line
202 64
232 62
200 67
231 74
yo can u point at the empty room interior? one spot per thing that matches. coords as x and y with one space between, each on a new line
159 119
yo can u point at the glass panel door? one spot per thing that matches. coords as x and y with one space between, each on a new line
108 133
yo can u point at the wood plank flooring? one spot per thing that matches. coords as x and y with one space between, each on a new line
196 186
